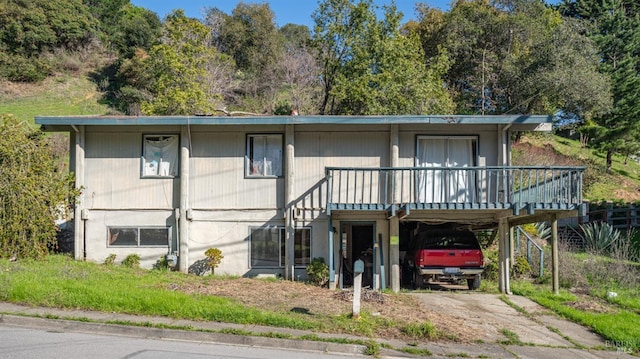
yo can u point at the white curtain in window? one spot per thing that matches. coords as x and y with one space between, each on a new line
429 183
266 155
460 187
273 158
160 156
441 186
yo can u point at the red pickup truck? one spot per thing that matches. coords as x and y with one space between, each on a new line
446 255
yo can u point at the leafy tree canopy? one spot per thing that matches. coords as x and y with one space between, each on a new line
180 69
370 67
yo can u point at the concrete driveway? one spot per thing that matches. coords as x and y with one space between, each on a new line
538 329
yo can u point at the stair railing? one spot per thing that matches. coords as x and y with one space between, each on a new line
530 243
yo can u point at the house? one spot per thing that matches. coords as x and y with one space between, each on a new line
274 192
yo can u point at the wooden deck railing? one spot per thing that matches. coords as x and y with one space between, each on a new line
454 187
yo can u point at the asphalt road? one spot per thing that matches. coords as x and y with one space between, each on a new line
36 332
23 343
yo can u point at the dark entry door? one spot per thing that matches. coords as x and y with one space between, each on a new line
359 245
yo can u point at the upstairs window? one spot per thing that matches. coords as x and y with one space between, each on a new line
160 155
264 156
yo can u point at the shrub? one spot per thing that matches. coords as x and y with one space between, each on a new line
491 265
214 257
161 264
486 239
34 193
110 260
131 261
521 267
19 68
318 271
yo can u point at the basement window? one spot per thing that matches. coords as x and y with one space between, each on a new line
160 156
138 236
267 247
264 155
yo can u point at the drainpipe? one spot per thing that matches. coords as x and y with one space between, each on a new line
504 146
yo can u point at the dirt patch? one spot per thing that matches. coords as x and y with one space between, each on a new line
588 303
457 314
286 297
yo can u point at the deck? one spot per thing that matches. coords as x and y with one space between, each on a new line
516 188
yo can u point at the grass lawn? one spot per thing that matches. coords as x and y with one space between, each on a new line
617 323
59 281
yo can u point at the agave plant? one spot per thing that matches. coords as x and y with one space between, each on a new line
600 236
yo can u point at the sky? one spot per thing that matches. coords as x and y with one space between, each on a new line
286 11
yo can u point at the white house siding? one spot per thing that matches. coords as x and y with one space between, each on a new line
217 177
230 231
115 194
96 229
113 173
339 146
224 204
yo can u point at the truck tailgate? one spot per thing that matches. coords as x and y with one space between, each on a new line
450 258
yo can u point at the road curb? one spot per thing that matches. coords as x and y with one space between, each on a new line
196 335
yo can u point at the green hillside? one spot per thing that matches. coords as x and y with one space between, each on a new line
621 185
55 96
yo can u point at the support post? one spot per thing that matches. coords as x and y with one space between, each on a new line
394 222
183 245
79 170
554 255
289 246
332 267
503 248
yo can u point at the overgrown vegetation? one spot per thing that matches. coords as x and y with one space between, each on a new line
600 284
34 192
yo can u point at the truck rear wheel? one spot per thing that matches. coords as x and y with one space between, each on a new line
474 283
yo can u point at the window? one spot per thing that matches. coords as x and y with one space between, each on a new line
138 236
160 155
268 247
437 185
264 156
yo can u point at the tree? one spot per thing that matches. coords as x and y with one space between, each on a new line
513 56
370 67
34 193
251 37
299 71
181 70
29 30
615 28
138 28
338 23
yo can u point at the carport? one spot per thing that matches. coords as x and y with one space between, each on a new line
499 197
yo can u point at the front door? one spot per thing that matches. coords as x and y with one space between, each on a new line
358 239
